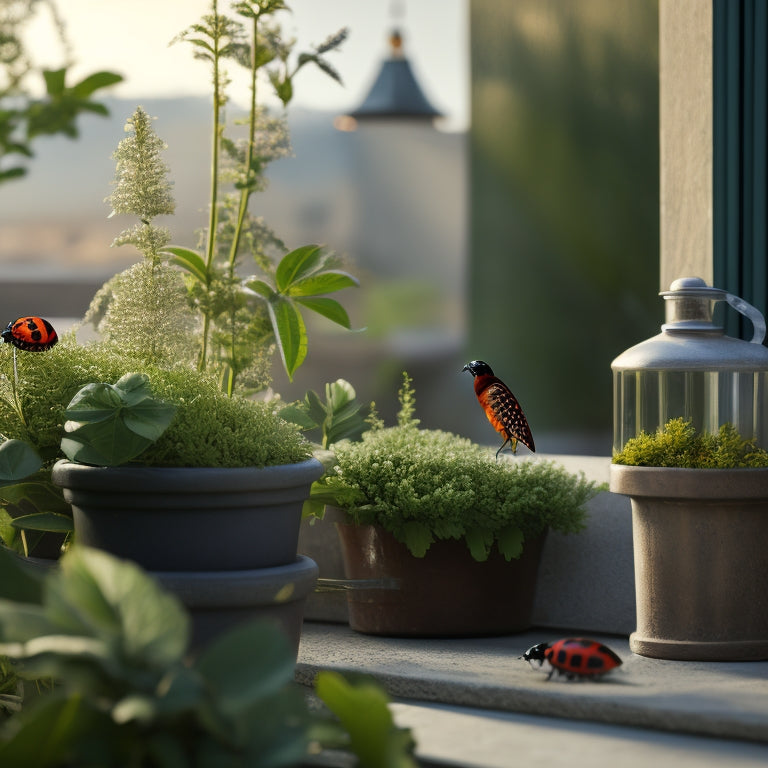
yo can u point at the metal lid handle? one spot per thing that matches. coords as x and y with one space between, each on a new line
750 312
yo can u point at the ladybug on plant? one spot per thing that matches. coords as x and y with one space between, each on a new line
32 334
573 658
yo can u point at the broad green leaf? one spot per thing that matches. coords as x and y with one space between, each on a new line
329 308
54 81
22 622
260 287
510 542
246 665
106 444
17 461
321 283
44 521
296 413
109 425
133 388
364 713
112 598
189 260
479 541
317 409
149 419
50 730
94 82
297 264
290 333
42 495
18 582
93 403
417 537
340 393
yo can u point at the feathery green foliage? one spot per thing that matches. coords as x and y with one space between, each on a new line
208 430
426 485
679 444
141 186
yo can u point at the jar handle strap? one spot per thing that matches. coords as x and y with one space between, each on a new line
750 312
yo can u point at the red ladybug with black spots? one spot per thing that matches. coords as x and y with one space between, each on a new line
573 658
33 334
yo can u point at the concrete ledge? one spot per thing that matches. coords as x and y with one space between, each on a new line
727 700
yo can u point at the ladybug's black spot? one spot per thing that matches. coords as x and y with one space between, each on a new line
36 335
562 657
31 324
576 660
595 662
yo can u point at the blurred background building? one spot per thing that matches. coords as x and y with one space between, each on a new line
528 238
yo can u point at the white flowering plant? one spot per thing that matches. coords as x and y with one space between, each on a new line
197 305
425 485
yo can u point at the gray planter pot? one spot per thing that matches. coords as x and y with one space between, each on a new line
190 519
223 541
700 541
219 600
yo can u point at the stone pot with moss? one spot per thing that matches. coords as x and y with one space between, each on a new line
440 538
700 526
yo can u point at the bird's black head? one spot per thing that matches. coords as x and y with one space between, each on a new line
478 368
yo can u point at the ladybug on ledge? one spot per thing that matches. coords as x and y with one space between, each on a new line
32 334
573 657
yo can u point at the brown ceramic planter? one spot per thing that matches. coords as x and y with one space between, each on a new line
444 594
701 561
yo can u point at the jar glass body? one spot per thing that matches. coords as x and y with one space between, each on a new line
645 400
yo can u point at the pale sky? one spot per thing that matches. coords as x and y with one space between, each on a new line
132 36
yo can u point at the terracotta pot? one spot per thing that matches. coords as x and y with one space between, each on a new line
446 593
190 519
701 561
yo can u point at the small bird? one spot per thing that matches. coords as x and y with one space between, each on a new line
500 406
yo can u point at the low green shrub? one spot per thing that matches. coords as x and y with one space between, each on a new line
426 485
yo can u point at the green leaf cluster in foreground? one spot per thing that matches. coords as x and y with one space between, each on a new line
679 444
127 692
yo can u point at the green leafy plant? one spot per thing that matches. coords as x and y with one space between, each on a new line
108 425
235 321
679 444
207 429
23 118
128 693
340 417
427 485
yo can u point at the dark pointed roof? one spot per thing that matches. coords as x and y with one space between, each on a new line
395 92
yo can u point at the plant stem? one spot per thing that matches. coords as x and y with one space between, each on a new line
245 194
214 206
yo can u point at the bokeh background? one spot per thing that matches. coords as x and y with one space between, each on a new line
521 228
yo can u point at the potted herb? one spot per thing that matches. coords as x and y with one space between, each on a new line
700 522
186 339
450 536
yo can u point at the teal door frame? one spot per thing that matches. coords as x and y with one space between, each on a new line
740 164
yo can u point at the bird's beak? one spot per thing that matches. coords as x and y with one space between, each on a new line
465 368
